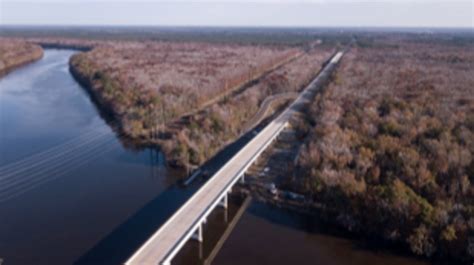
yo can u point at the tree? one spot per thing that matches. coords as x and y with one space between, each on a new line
421 241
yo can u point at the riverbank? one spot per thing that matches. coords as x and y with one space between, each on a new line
15 53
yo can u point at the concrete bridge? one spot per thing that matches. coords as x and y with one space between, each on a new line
188 221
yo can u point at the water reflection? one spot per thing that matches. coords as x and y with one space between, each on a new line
220 224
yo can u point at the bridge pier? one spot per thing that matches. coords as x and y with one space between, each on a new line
201 251
224 202
242 179
226 215
198 234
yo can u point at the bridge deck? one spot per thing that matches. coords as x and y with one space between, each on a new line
167 241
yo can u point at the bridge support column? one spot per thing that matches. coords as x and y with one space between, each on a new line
201 251
224 201
226 215
198 234
242 179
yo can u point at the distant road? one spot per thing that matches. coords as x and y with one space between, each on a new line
168 240
236 88
265 106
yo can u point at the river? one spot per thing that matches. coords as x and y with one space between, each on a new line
71 192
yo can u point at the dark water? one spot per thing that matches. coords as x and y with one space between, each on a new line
269 235
71 193
56 205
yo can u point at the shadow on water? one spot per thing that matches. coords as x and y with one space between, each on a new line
124 221
123 241
129 236
313 224
300 221
218 227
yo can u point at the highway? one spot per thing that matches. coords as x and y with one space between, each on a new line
168 240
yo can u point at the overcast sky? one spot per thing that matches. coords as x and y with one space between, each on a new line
382 13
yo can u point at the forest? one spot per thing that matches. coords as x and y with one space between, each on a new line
15 53
150 84
275 36
390 146
189 98
208 131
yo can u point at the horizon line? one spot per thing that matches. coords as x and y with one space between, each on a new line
241 26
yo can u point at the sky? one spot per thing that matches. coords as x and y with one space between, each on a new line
309 13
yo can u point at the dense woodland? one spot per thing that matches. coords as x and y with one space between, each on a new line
191 98
149 84
282 36
391 146
15 53
211 129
